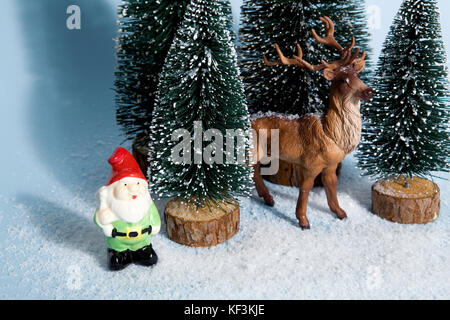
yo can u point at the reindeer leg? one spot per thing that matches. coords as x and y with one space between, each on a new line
261 188
329 180
306 185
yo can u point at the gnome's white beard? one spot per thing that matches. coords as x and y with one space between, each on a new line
131 210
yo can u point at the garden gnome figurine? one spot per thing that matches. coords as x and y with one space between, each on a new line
127 215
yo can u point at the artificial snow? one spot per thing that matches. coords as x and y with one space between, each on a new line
271 114
54 250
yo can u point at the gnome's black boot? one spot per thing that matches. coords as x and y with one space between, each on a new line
118 260
145 256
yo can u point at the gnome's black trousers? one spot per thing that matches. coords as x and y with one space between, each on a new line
145 256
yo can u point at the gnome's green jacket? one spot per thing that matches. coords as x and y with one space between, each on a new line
133 236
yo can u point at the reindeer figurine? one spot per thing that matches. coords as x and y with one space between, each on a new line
319 143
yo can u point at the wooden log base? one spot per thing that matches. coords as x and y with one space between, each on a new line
288 175
202 227
418 204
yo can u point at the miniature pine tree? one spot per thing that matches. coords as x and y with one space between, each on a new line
146 31
200 89
287 22
406 130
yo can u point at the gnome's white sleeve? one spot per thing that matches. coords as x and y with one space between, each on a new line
104 216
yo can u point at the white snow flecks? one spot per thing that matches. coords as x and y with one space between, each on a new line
283 116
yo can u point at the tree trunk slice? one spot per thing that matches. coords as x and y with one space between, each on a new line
288 175
418 204
140 153
203 227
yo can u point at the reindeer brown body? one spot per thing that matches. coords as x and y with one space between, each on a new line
318 143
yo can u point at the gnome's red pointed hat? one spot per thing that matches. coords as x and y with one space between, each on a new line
123 166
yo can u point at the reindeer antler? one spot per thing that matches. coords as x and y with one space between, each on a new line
346 56
329 40
297 61
282 59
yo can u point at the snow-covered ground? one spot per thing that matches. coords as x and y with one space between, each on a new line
53 250
57 129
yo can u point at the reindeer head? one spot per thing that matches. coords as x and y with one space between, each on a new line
343 73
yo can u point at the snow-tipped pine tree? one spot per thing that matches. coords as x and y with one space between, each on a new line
146 31
287 22
406 131
200 91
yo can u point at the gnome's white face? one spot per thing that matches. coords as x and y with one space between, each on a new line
129 199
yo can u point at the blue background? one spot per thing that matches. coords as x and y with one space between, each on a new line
56 87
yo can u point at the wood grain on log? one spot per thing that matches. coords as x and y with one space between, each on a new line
418 204
203 227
